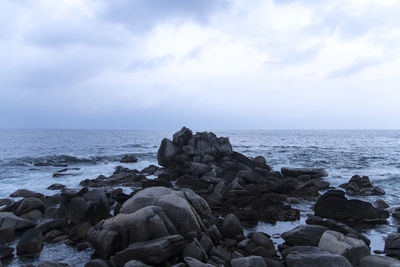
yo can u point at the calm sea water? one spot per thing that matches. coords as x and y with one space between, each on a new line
342 153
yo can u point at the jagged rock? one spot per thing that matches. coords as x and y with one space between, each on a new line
392 245
333 204
129 159
31 242
10 220
313 257
304 235
118 232
351 248
167 152
151 252
182 137
379 261
296 172
176 205
231 227
362 186
251 261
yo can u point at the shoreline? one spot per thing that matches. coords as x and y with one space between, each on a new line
244 183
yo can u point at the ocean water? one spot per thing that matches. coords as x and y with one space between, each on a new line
343 153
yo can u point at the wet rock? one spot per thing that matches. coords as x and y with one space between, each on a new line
6 201
362 186
392 245
31 242
118 232
231 227
135 263
296 172
24 193
50 224
56 187
52 234
150 252
313 257
10 220
333 204
251 261
82 245
175 204
351 248
149 170
379 261
5 252
261 239
129 159
381 204
304 235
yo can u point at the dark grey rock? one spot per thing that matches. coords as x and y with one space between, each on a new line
192 262
135 263
182 137
379 261
194 250
310 256
362 186
29 204
51 224
260 239
392 245
25 193
231 226
10 220
296 172
251 261
31 242
304 235
129 159
5 252
97 263
167 152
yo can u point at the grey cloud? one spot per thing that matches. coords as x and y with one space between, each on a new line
143 15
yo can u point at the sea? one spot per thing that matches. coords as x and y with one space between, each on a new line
343 153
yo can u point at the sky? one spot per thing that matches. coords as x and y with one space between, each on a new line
217 64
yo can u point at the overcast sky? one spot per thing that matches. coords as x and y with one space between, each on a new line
254 64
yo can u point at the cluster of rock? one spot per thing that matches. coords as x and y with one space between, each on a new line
361 186
192 214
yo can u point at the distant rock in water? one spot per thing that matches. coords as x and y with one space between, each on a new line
129 159
362 186
296 172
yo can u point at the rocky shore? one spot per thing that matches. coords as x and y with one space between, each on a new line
191 209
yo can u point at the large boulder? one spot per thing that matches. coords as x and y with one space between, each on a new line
296 172
392 245
177 205
314 257
362 186
10 220
116 233
182 137
31 242
379 261
25 193
333 204
351 248
304 235
167 152
29 204
150 252
231 227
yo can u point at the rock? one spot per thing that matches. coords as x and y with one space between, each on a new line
175 204
206 243
129 159
296 172
221 253
392 245
31 242
261 239
304 235
6 201
50 224
149 170
379 261
192 262
134 263
5 252
56 187
362 186
231 227
151 252
52 234
214 234
79 231
194 250
167 152
351 248
335 226
333 204
252 261
381 204
7 235
10 220
24 193
97 263
207 143
82 245
314 257
118 232
34 215
182 137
